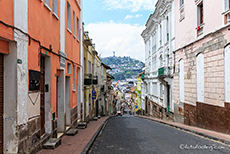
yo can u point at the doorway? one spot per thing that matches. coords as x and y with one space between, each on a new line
67 99
168 99
97 108
42 95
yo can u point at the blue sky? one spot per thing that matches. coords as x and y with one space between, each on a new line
116 25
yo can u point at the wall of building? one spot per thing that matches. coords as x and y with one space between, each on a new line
186 28
210 112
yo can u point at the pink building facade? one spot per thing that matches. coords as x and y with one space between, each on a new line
202 64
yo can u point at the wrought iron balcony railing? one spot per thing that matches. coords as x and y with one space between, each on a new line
95 80
88 80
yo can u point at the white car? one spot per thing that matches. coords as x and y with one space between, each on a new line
118 113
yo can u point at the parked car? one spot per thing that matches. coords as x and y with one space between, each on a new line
118 113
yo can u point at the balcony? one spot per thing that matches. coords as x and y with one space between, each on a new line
95 80
143 76
88 80
164 72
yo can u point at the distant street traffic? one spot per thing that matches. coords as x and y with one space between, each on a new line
128 134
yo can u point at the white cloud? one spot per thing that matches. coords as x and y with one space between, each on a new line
133 5
132 16
124 39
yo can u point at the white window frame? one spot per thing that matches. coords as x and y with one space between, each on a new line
47 2
227 73
154 63
73 23
161 61
181 80
226 5
74 78
160 41
181 10
55 7
200 77
68 16
226 13
181 3
198 14
167 29
78 30
68 68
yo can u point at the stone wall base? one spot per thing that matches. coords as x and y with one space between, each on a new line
74 115
207 116
30 139
159 111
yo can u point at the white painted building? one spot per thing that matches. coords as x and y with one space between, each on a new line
159 38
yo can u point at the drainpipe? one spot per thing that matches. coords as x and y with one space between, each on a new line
81 59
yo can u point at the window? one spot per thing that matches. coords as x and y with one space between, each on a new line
68 16
34 80
84 65
200 18
155 89
55 7
69 68
78 32
89 67
181 79
149 69
73 23
227 5
161 90
161 61
200 14
160 35
47 2
167 28
154 63
181 10
227 12
200 77
150 88
181 3
154 44
167 60
73 77
227 73
149 43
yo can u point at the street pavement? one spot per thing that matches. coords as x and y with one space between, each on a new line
129 134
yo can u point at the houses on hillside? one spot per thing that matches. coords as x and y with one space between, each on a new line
186 78
46 85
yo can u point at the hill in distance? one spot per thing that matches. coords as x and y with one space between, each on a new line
123 67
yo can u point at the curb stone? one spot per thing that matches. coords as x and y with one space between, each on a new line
89 145
227 142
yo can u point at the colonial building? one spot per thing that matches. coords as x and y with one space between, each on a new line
39 75
159 38
201 79
104 90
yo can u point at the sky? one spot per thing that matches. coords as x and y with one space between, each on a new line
116 25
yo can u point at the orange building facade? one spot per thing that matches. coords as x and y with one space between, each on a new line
40 45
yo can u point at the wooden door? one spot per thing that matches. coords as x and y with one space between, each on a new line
42 89
1 102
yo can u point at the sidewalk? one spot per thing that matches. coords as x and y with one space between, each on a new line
224 138
76 144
